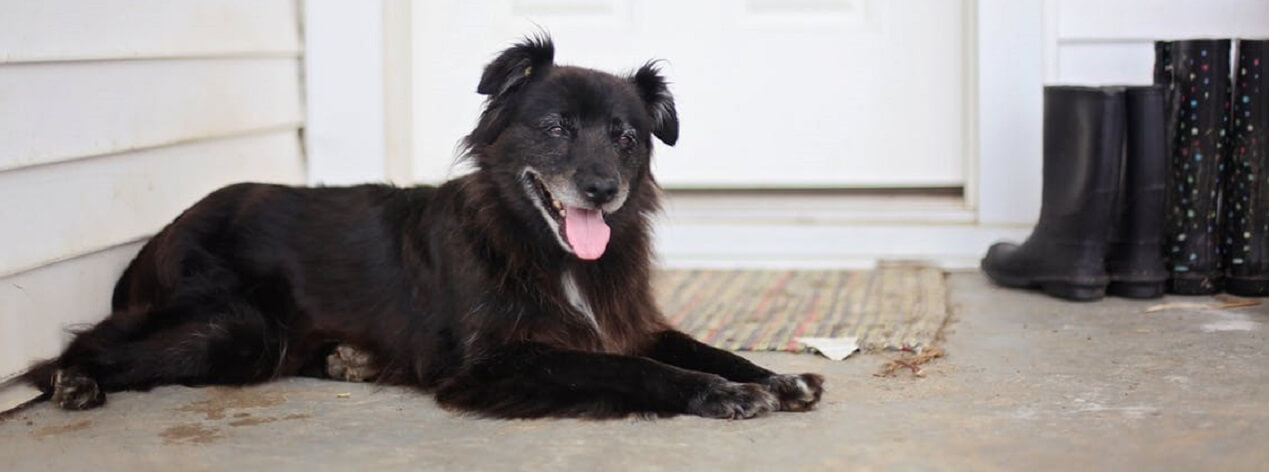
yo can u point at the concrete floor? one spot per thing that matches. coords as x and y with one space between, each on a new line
1030 383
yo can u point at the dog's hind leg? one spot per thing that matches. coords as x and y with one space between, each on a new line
351 364
341 361
228 342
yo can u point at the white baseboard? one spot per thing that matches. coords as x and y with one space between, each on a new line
822 231
825 246
14 394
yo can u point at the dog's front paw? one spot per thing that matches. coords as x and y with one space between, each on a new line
75 391
732 400
797 392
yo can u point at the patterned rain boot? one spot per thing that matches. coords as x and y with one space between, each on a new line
1244 194
1135 262
1083 149
1196 74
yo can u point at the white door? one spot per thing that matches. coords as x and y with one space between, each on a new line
771 93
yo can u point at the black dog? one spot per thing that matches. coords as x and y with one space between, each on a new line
520 290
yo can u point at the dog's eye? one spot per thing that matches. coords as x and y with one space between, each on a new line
556 131
625 141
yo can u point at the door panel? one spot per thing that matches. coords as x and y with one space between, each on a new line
819 93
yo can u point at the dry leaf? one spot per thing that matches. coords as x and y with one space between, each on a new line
1228 303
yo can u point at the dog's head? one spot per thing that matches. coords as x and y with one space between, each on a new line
569 147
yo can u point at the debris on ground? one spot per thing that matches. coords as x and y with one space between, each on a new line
1223 302
833 348
912 362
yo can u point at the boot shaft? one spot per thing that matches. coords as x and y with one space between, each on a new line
1134 254
1245 191
1083 142
1196 74
1140 204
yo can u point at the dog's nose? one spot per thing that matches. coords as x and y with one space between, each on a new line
600 190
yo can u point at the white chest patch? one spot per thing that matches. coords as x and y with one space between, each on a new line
578 301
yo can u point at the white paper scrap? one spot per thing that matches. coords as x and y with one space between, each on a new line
833 348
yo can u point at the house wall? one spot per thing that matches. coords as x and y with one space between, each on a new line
1111 42
114 116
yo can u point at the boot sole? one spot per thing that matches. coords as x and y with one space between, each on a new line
1247 287
1055 288
1073 292
1199 284
1139 290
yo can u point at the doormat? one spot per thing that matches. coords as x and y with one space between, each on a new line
891 307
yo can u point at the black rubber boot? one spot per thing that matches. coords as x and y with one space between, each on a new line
1244 194
1197 76
1065 254
1135 262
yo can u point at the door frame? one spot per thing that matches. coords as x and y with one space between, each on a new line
1009 60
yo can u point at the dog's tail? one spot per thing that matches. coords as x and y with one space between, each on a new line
40 376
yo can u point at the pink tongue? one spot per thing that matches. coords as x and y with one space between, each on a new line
586 232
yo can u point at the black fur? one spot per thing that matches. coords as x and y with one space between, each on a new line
458 289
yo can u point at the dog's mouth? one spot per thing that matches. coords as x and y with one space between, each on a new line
581 231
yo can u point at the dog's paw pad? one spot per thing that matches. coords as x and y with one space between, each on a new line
797 392
350 364
75 391
731 400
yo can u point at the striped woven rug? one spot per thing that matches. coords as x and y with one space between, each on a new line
890 307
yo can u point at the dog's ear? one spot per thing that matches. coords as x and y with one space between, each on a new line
661 105
515 66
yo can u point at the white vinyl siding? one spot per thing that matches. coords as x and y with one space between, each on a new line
115 115
69 30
